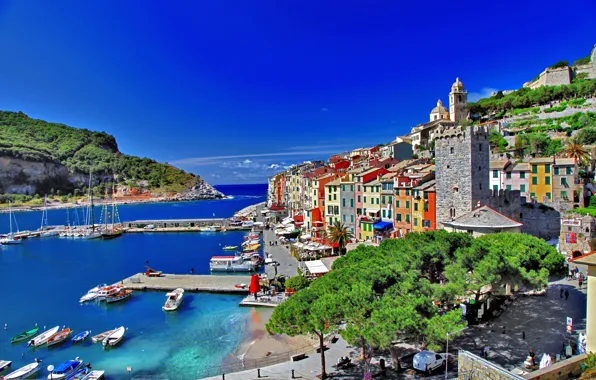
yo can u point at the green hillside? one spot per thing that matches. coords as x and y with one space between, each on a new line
81 150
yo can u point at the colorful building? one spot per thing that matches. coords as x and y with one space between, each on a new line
371 209
567 187
517 177
332 202
541 187
359 180
347 210
499 173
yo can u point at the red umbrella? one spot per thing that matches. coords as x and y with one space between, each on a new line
254 284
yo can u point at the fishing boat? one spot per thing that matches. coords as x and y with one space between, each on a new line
110 230
253 247
108 291
174 300
120 296
24 372
42 338
92 293
59 337
100 337
79 375
10 239
250 242
152 272
94 375
251 237
25 335
114 338
230 248
231 264
63 370
80 336
5 364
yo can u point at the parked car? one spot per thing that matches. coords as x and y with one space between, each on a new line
149 227
427 361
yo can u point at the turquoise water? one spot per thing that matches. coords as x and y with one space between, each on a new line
41 281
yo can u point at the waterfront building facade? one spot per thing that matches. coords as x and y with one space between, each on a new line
541 187
517 177
347 210
333 202
498 174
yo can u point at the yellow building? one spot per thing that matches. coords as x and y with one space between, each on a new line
371 207
541 187
332 202
417 209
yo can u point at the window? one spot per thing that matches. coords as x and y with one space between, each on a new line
398 217
564 195
358 211
426 207
365 199
329 196
480 147
425 195
508 175
407 192
451 150
548 195
384 214
532 195
534 169
564 181
343 202
351 187
352 218
415 221
547 180
359 198
389 214
378 200
315 203
343 217
407 204
570 171
480 186
396 204
508 187
384 199
407 218
495 174
334 197
547 169
390 200
495 187
415 206
522 188
351 203
534 180
556 171
396 191
358 187
522 174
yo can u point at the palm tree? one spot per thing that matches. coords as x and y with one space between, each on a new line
576 151
339 233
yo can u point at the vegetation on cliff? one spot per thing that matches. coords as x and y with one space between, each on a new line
81 150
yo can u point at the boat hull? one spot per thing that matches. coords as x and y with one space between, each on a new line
25 335
24 372
121 296
59 338
111 235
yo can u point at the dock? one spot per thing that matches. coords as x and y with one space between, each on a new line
185 229
189 282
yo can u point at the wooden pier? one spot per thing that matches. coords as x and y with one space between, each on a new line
188 282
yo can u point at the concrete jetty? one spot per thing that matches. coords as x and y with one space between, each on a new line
188 282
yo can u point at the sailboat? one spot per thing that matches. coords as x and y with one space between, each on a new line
45 232
10 238
91 217
110 232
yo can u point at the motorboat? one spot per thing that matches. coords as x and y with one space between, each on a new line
24 372
81 336
92 293
49 233
230 248
114 338
94 375
248 224
59 337
174 300
88 235
100 337
248 243
63 370
120 296
107 291
25 335
4 364
80 374
251 237
231 264
42 338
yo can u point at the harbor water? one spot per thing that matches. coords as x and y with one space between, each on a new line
42 279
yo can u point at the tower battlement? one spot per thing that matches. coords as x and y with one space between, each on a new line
461 131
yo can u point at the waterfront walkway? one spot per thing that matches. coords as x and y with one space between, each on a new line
188 282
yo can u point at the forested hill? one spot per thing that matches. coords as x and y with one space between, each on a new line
39 157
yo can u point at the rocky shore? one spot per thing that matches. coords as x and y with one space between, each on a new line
199 192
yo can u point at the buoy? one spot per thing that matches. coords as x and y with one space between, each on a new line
5 326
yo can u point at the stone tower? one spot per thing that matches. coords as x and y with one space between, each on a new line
462 171
458 102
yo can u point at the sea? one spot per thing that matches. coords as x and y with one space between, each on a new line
42 279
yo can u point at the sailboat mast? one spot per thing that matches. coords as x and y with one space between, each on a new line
105 209
91 204
113 205
10 216
43 211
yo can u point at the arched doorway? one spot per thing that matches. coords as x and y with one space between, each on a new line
576 254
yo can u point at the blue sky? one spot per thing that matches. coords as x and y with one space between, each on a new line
231 90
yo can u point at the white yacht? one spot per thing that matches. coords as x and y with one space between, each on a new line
232 264
92 293
174 300
108 291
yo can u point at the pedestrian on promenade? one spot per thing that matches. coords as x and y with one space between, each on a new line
486 351
580 280
561 293
566 294
532 357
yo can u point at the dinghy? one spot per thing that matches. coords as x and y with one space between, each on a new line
100 337
25 335
80 336
59 337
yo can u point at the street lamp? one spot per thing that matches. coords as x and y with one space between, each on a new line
50 370
129 370
447 349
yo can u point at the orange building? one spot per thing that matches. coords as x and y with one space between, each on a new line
428 194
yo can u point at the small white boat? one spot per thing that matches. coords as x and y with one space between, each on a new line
114 338
4 364
100 337
10 238
251 242
174 300
24 372
49 233
92 293
94 375
43 337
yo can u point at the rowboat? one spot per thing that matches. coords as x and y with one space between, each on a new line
25 335
24 372
174 300
43 337
80 336
4 364
94 375
114 338
63 370
120 296
230 248
59 337
100 337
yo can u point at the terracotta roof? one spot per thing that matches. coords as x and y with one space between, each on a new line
483 217
499 164
426 186
521 167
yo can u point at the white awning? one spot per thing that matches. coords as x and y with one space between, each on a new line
316 267
372 210
305 237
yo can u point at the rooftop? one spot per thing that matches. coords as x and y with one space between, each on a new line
483 217
426 186
541 160
521 167
334 183
564 161
499 164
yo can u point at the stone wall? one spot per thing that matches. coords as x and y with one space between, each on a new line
473 367
462 170
566 369
552 77
590 68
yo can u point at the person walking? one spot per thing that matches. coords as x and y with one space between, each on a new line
561 293
486 351
566 294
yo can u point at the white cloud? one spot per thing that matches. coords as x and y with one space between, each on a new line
484 93
274 166
217 160
324 109
247 162
310 147
215 175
